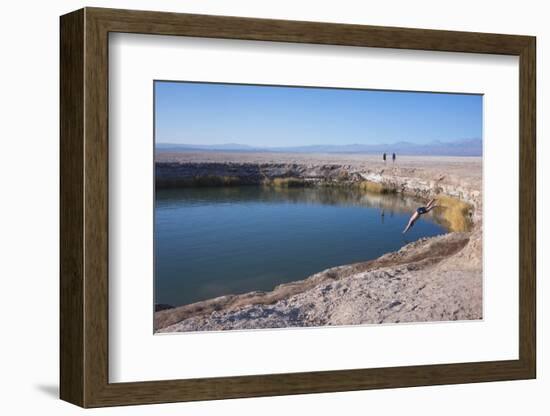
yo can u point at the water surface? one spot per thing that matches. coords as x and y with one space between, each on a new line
217 241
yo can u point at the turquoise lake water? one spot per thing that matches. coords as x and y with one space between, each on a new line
217 241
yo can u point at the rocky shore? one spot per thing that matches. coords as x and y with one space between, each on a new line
434 279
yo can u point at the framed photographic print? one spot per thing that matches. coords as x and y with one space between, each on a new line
255 207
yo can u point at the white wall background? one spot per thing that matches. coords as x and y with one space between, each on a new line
29 158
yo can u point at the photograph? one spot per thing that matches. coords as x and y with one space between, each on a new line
297 206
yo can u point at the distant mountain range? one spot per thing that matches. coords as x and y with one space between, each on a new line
467 147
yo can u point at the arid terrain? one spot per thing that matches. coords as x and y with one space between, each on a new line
432 279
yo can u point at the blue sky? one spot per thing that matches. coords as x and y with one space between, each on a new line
203 113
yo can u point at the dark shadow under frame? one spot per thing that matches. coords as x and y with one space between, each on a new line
84 207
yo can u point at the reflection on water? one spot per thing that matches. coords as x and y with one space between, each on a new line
216 241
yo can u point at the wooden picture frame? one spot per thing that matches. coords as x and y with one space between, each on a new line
84 207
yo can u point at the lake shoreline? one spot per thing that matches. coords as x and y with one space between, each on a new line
432 279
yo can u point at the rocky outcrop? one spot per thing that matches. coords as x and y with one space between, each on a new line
443 177
191 174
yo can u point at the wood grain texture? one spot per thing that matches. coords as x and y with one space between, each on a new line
84 207
528 208
162 23
96 208
71 208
